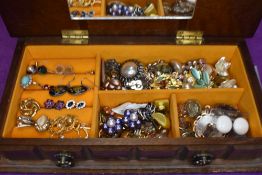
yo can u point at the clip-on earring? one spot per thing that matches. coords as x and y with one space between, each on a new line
26 81
33 69
64 70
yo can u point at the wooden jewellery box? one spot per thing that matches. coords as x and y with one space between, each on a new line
38 24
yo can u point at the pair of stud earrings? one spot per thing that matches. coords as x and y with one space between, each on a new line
70 104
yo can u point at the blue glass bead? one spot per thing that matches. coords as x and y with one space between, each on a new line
111 131
132 125
105 127
127 113
26 81
120 6
118 128
138 124
124 8
126 13
119 12
118 121
125 120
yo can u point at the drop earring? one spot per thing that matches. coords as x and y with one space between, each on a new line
77 90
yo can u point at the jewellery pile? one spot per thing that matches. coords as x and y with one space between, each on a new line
133 75
57 127
70 104
78 6
180 7
82 3
117 8
218 121
131 120
62 124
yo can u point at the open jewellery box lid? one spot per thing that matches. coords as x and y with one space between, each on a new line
216 18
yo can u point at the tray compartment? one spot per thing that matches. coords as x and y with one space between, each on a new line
182 54
231 97
81 64
116 98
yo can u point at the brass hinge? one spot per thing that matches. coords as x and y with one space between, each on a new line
189 37
75 36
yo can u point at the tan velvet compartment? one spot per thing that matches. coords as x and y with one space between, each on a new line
86 58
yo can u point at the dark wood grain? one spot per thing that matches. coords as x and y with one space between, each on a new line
224 18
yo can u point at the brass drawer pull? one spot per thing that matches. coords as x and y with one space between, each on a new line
64 160
202 159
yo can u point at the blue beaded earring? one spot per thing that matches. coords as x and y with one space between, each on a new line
112 125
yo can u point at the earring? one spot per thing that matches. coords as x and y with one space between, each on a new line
64 70
77 90
29 107
80 105
33 69
62 89
59 69
59 105
70 104
26 81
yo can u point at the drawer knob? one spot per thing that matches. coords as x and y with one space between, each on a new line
64 160
202 159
